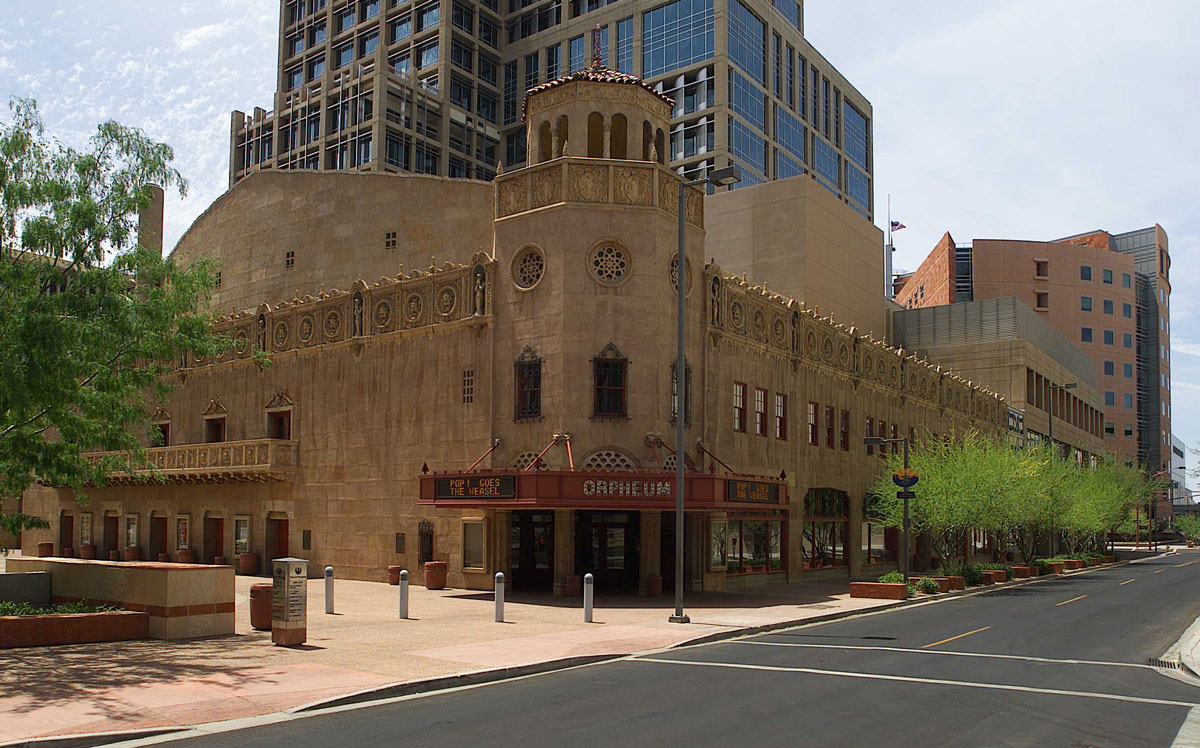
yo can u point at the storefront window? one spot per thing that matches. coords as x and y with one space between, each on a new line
877 543
754 546
85 528
719 539
241 535
824 544
131 531
472 544
182 533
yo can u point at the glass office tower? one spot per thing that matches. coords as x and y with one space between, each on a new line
436 87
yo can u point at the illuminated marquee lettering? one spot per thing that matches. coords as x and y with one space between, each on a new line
638 489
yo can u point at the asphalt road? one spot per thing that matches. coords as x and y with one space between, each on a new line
1056 663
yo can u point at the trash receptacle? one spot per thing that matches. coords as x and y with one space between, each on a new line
435 575
260 606
393 574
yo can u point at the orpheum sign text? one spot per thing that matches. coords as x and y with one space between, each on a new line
646 489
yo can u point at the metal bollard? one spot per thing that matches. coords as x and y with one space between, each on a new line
329 590
404 593
589 587
499 597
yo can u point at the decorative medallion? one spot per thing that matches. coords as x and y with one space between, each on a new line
609 263
280 336
810 342
413 308
844 354
760 324
383 315
779 330
737 315
241 342
447 299
868 365
528 267
306 329
333 324
827 349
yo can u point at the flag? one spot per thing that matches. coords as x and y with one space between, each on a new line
896 226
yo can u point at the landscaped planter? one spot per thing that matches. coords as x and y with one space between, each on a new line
879 590
261 596
1113 559
393 573
1071 564
133 553
957 583
1094 561
186 556
220 561
1024 572
87 551
1000 575
247 563
986 577
73 628
943 582
164 558
1056 567
435 575
45 549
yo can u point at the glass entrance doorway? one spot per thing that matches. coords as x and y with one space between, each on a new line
606 546
531 550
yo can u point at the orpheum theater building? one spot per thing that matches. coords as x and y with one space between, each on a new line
508 404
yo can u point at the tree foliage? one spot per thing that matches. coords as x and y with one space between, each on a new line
1019 496
90 322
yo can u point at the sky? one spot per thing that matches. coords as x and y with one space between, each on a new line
993 119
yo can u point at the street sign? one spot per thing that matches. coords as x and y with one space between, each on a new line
905 478
906 495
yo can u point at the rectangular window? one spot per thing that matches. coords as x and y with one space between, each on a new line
1126 280
1041 269
1085 303
1108 337
781 418
791 77
489 32
529 388
883 432
1127 340
1108 306
1110 399
368 43
1085 334
625 46
1127 311
1110 368
510 92
279 424
160 435
813 438
830 413
857 144
870 431
472 557
1127 370
344 20
676 35
575 54
1128 400
751 546
1085 272
1129 429
468 385
845 431
1110 428
241 534
747 41
427 54
1041 300
760 411
428 16
747 100
739 406
463 17
214 430
610 387
1106 276
777 60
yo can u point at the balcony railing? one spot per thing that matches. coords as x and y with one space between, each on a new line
251 460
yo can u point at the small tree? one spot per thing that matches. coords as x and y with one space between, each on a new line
89 321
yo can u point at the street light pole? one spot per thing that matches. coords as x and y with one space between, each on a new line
906 557
721 178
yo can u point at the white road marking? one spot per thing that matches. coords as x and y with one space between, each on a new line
955 654
928 681
1189 732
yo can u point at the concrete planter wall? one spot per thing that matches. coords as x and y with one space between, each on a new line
1071 564
72 628
879 590
1113 559
1025 572
943 582
957 583
1056 567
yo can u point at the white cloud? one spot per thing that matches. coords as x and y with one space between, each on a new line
195 37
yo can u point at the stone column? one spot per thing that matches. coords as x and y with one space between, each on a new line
556 146
608 138
650 553
564 548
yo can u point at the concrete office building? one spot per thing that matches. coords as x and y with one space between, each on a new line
1108 294
435 87
1004 345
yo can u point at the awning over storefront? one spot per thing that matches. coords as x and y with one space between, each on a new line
600 489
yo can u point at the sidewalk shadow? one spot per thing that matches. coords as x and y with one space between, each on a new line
799 595
87 675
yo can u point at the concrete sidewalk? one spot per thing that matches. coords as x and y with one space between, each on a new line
147 684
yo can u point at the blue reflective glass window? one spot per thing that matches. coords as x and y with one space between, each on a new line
510 92
1127 311
1085 303
428 16
825 163
1108 306
1085 334
1126 280
676 35
575 54
786 166
747 146
1127 340
749 178
401 29
790 10
553 61
1109 337
1110 399
1110 368
1127 370
858 186
790 134
748 41
427 55
1128 400
625 45
747 100
856 136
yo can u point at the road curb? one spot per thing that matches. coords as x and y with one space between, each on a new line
86 740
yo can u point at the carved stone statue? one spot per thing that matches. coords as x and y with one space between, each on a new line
715 305
480 292
262 333
358 315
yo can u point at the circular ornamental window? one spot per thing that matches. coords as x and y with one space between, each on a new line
609 263
528 267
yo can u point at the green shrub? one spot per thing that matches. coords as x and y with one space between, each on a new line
972 574
1042 564
892 577
912 590
27 609
1116 556
996 567
927 586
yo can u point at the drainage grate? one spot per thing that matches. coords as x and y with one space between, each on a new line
1168 664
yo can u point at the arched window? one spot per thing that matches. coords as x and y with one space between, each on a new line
618 137
660 146
647 141
527 378
564 131
545 143
595 135
611 370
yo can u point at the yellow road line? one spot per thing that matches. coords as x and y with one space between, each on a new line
1064 602
1127 581
943 641
1189 563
